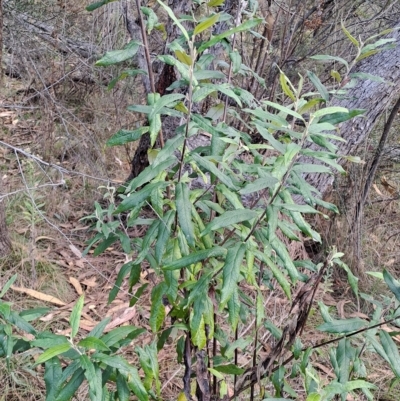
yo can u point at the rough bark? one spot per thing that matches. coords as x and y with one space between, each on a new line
140 160
375 97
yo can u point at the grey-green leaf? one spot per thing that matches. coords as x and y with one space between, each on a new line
195 257
231 272
229 218
117 56
76 316
184 209
342 326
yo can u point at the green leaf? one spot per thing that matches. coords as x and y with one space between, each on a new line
5 310
52 376
184 209
95 385
93 343
234 309
173 17
157 311
8 284
164 101
267 181
207 23
283 79
148 239
123 272
181 67
207 74
355 384
125 136
351 38
391 351
138 294
229 369
114 336
198 334
393 284
236 60
213 169
97 331
117 56
217 39
164 234
152 18
283 254
284 109
98 4
72 386
324 57
344 358
215 3
279 276
329 110
231 272
75 317
318 84
34 313
336 118
314 397
138 197
195 257
342 326
52 352
125 74
122 388
229 218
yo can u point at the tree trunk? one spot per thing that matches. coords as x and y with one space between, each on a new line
140 160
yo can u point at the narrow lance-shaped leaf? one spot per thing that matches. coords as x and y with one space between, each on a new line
157 311
52 352
229 218
207 23
154 118
391 351
125 136
393 284
231 272
117 56
184 209
351 38
52 376
75 317
195 257
217 39
318 84
283 81
213 169
138 197
342 326
164 233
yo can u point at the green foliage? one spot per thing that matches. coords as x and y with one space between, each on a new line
215 249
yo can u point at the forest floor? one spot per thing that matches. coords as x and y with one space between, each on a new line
47 195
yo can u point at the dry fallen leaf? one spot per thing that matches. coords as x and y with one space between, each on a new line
91 282
39 295
127 315
76 251
76 285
